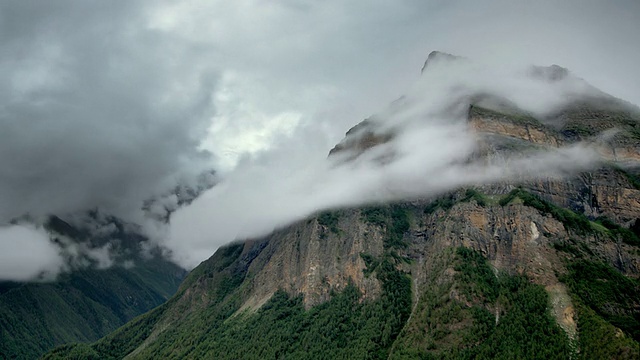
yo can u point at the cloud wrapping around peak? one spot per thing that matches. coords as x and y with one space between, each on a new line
431 152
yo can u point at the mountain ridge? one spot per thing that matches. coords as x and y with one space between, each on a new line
541 268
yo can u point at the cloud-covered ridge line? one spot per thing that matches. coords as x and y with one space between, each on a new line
420 146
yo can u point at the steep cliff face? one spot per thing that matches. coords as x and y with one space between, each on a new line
518 233
540 269
609 191
316 257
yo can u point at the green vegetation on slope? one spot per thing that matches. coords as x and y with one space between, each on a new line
571 220
589 118
330 219
82 306
448 201
525 328
578 223
606 306
395 219
619 232
598 339
445 203
489 317
219 274
345 327
612 296
632 178
513 116
466 309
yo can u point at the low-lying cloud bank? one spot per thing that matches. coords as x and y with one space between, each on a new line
37 257
430 153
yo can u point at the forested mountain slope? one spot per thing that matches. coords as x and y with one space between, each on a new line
85 304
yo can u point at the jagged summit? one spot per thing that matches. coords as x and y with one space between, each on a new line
585 113
550 73
437 56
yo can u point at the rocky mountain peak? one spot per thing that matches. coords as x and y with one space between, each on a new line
438 56
550 73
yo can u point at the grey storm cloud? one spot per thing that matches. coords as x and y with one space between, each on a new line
96 110
430 153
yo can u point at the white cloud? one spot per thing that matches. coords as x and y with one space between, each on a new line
242 125
337 62
26 253
431 151
96 110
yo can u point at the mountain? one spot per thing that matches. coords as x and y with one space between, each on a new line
538 269
87 303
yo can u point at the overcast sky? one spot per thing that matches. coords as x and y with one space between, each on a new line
105 103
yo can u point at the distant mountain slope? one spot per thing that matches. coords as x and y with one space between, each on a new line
544 269
80 306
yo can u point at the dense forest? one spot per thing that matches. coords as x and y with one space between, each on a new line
83 306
